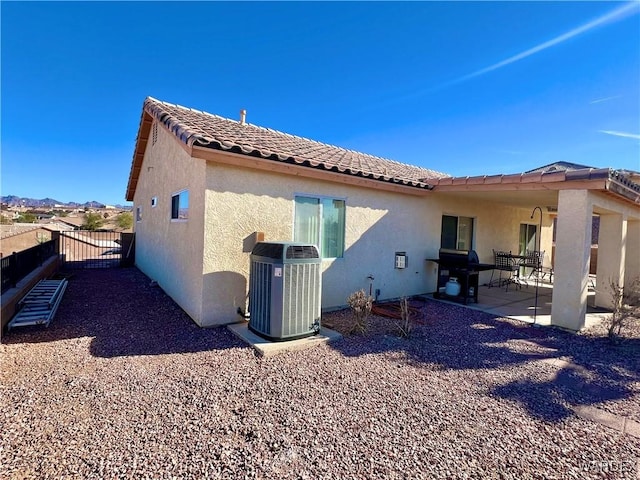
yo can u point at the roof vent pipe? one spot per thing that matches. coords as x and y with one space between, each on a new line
243 117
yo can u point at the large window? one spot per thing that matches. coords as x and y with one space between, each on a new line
320 221
457 233
180 205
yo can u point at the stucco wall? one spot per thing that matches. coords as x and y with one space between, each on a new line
242 201
203 263
170 252
632 267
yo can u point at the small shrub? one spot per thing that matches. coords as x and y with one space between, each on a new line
92 221
626 306
27 218
404 326
124 220
360 304
41 238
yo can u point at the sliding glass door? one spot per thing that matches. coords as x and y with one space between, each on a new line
528 238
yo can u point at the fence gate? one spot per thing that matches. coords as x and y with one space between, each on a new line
80 249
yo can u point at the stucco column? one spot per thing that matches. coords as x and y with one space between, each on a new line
612 241
632 259
571 266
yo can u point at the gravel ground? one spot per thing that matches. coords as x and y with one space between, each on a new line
124 385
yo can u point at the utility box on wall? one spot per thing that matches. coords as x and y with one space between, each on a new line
284 290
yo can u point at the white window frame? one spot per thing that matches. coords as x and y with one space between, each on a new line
174 195
321 226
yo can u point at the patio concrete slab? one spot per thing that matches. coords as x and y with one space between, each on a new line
520 304
267 348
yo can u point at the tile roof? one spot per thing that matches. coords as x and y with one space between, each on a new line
197 128
7 231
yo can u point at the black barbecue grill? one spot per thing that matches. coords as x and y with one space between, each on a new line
463 265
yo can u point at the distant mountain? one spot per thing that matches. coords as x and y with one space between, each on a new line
29 202
13 200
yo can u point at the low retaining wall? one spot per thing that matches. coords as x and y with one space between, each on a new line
12 296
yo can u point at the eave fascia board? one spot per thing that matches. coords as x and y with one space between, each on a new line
491 185
142 141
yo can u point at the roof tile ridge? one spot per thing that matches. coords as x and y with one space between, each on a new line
182 107
291 135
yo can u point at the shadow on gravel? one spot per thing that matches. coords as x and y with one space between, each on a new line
453 337
125 315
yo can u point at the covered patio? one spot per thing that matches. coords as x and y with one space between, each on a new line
556 203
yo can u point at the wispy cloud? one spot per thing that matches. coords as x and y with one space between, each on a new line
615 15
605 99
621 134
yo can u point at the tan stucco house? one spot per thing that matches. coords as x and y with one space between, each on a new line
203 186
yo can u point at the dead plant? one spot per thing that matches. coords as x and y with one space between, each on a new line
360 304
626 307
404 325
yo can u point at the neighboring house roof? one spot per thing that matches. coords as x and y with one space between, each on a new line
58 227
559 166
197 128
72 221
7 231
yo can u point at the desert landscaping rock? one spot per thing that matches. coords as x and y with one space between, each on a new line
124 385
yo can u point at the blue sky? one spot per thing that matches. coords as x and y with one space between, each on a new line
461 87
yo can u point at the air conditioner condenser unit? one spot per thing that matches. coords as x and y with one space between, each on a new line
284 290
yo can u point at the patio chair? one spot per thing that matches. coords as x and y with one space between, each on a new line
504 262
533 260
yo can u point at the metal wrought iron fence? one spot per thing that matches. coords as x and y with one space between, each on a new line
20 264
81 249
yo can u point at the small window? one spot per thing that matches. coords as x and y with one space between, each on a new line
320 221
180 205
138 214
154 202
457 233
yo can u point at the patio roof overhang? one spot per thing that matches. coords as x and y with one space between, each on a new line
528 189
